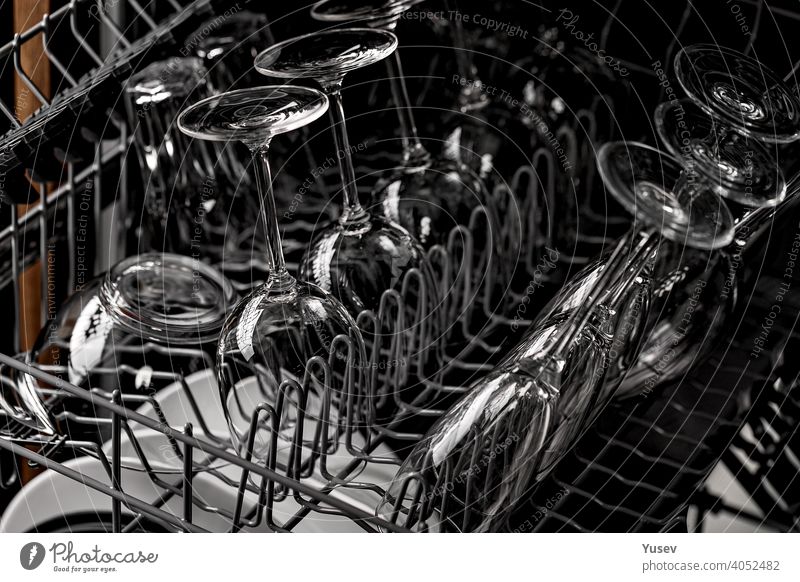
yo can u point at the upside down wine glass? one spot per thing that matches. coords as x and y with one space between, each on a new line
432 197
426 195
272 337
741 115
737 108
364 255
513 426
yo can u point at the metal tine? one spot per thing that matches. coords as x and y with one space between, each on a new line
188 475
116 458
92 483
148 469
101 14
420 492
612 17
485 285
266 492
198 414
205 446
295 467
140 12
355 411
543 201
15 276
756 27
46 20
84 44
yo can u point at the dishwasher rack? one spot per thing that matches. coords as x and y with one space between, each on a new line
483 325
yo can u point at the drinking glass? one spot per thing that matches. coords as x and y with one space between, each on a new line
150 319
228 46
180 181
511 428
275 339
197 199
426 195
368 262
738 109
25 410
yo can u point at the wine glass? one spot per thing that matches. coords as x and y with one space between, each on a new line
428 196
275 339
737 108
738 165
513 426
438 199
195 199
744 105
228 45
23 407
371 264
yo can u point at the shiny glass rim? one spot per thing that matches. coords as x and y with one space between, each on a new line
303 74
262 133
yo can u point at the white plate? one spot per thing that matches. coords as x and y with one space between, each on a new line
51 495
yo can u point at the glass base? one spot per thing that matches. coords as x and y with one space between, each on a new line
662 195
738 167
168 298
326 55
739 90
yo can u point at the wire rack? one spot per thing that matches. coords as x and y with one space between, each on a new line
612 482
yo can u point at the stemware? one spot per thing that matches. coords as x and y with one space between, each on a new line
513 426
739 108
368 262
180 183
435 197
275 339
228 45
196 198
426 195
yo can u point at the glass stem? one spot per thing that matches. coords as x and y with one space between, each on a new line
279 278
352 211
471 96
629 258
414 153
463 60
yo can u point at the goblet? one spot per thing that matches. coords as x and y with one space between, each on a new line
227 47
738 108
363 256
428 196
195 200
513 426
24 408
271 344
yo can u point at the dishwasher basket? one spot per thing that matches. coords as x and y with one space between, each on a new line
618 477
